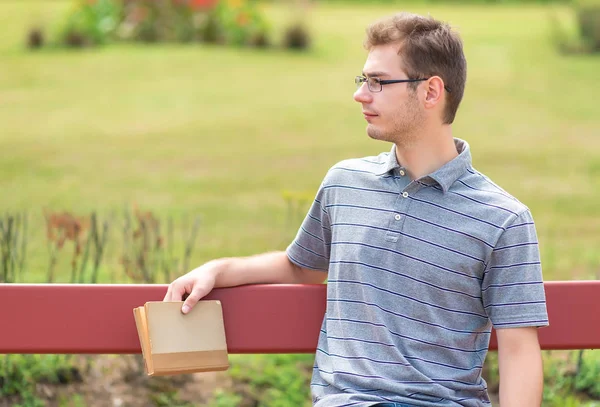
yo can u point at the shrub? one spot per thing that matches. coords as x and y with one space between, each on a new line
567 380
157 20
20 373
240 22
297 37
586 378
210 30
90 23
279 380
35 38
97 22
588 20
585 36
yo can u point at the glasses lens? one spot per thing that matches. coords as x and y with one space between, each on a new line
359 80
374 85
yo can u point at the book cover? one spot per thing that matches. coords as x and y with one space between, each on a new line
177 343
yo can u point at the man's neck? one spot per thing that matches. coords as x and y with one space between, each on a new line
427 153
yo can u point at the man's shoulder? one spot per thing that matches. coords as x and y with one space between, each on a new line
481 188
354 167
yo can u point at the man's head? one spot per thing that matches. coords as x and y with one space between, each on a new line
409 46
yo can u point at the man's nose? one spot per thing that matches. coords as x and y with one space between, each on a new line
363 94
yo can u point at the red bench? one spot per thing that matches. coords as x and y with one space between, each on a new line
98 319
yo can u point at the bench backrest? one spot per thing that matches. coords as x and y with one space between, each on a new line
98 319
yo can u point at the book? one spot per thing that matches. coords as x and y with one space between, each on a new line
176 343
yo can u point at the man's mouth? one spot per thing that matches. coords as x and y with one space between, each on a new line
368 115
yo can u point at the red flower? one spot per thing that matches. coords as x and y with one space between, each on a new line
202 4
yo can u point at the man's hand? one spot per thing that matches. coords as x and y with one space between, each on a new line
520 364
197 283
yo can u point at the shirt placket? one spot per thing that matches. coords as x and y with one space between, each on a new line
402 206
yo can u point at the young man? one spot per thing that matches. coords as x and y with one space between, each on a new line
423 254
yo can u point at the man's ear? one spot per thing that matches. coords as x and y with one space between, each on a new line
434 90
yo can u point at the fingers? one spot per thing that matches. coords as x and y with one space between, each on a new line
176 291
168 293
192 299
190 288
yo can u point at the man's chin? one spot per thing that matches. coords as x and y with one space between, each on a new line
375 133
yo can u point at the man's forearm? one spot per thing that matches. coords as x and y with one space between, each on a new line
521 376
267 268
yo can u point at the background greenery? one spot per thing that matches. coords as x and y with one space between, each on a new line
188 130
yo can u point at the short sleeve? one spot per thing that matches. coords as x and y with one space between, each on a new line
512 288
312 245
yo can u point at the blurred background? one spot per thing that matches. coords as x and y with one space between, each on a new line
141 138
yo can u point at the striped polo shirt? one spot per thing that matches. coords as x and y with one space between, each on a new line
418 273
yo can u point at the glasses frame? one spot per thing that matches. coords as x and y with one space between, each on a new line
360 79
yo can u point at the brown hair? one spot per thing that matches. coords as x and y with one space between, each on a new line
428 47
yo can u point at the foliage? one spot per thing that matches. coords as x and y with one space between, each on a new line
76 400
297 36
65 227
99 22
13 246
446 2
587 375
566 380
274 380
157 21
19 375
490 372
238 22
588 18
148 248
582 35
35 38
168 399
223 398
90 22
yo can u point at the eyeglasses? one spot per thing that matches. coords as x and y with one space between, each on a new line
376 84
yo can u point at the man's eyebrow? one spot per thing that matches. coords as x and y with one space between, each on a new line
375 74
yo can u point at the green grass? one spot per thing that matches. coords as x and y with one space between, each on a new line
222 132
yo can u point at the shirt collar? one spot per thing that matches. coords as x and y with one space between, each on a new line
392 162
446 175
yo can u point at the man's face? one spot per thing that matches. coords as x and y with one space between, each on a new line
394 114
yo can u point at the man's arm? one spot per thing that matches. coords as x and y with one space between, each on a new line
520 364
267 268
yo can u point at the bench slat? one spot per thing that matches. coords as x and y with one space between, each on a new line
98 319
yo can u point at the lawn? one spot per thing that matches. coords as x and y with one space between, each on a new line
221 133
185 130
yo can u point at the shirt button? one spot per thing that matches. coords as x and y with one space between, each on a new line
402 172
405 194
397 217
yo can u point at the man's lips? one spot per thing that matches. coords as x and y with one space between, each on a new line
368 115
